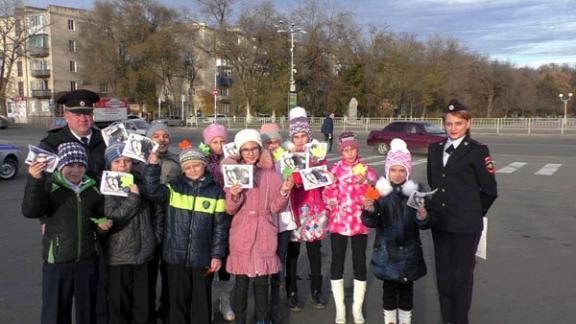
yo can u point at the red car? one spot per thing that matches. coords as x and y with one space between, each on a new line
417 135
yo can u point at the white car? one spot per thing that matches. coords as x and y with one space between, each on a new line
220 118
138 126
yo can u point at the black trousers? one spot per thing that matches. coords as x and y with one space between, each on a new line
315 260
155 267
129 291
190 295
63 283
260 297
455 260
339 245
397 295
328 138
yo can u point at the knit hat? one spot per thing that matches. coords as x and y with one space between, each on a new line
398 155
156 127
247 135
214 130
270 131
191 154
71 152
347 139
298 123
113 152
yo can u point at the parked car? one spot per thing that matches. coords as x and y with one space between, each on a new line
171 121
133 117
220 118
9 161
58 122
417 135
5 122
138 126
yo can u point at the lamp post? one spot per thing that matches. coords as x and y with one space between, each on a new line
565 100
292 29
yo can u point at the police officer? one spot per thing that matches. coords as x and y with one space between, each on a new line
463 172
78 115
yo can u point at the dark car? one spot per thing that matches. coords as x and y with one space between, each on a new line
5 121
417 135
8 161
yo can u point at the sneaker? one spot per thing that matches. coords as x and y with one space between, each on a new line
293 302
317 300
226 310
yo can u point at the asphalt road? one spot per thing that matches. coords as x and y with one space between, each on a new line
527 278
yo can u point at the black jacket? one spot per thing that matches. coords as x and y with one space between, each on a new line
196 226
95 149
327 126
70 234
397 251
131 239
466 186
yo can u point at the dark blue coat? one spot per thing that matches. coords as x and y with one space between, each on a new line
397 251
327 126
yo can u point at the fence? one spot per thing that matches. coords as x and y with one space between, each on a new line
479 125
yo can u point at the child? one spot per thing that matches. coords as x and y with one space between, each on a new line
345 198
129 247
195 234
66 201
215 137
253 233
397 257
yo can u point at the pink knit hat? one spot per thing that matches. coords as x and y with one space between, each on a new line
347 139
398 155
270 131
214 130
298 123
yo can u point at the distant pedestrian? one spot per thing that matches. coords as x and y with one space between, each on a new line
328 130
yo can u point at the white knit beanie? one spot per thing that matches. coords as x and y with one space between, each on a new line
247 135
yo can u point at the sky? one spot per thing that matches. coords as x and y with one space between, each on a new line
522 32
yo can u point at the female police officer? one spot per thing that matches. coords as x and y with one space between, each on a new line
463 172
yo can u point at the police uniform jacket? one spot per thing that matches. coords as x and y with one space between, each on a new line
466 186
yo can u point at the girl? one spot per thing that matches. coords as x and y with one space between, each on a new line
253 232
397 257
345 199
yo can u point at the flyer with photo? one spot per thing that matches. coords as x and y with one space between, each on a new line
315 177
293 161
115 133
36 154
116 183
417 199
230 150
242 174
316 151
139 147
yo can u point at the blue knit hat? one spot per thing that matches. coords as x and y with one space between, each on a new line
113 152
71 152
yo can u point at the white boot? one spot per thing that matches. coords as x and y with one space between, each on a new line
338 293
390 316
225 307
404 317
359 293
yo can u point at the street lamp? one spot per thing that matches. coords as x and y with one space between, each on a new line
292 29
565 100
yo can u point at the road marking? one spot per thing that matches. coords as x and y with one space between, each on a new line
512 167
549 169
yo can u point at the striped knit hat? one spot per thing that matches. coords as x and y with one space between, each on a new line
191 154
298 123
113 152
71 152
398 155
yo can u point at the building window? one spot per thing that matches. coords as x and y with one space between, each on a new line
104 87
19 68
73 66
73 85
20 88
72 46
71 24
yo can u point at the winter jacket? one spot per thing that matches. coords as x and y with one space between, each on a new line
131 239
169 170
327 126
214 168
397 251
196 225
345 198
95 149
253 233
70 234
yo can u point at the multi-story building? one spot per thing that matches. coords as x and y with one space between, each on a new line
49 62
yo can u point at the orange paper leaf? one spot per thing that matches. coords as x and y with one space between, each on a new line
184 144
371 193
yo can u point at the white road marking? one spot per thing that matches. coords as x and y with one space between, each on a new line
549 169
512 167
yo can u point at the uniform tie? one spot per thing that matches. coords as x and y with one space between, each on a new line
450 149
84 140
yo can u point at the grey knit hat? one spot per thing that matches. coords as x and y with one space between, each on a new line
191 154
154 127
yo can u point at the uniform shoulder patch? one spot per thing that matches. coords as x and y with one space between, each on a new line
489 164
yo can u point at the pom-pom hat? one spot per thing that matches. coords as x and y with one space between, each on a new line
298 123
398 155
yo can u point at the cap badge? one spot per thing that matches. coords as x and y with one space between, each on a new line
82 103
451 107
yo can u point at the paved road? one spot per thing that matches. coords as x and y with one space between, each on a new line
526 279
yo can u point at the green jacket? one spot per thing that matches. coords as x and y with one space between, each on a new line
70 233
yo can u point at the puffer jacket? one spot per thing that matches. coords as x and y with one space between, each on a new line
213 167
170 170
397 251
70 234
196 225
131 239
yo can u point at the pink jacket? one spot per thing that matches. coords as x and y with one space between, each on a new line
253 232
345 198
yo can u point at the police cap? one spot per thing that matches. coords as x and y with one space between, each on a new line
454 106
79 101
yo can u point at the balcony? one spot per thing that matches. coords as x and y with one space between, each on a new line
223 81
42 94
38 51
41 73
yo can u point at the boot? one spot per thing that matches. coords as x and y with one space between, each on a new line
225 308
318 301
338 293
390 316
404 317
293 302
359 292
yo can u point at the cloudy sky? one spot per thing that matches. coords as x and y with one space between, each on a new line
524 32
